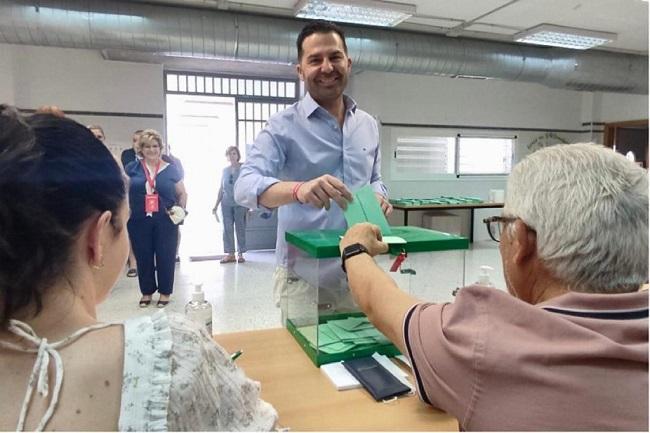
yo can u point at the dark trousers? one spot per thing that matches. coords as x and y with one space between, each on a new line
154 239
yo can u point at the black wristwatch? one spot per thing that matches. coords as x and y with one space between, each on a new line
351 251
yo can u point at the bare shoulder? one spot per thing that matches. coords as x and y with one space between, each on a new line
92 381
93 378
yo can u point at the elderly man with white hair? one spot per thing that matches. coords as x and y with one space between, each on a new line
567 348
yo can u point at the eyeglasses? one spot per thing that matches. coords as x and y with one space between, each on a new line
496 224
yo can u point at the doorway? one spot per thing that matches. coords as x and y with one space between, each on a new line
206 113
199 129
630 139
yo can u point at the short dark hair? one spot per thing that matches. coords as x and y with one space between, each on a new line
319 26
54 175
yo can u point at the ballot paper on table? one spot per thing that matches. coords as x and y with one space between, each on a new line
364 207
340 376
343 380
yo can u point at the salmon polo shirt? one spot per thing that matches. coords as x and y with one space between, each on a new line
577 361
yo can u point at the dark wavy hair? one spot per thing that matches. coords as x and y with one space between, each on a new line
319 26
54 175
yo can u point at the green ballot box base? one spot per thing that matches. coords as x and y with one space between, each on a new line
319 357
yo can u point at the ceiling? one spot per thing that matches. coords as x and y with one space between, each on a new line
490 19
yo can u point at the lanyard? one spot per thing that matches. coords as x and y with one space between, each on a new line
150 180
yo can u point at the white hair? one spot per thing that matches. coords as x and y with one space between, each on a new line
589 208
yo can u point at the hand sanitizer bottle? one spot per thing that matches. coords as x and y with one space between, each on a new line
200 310
484 276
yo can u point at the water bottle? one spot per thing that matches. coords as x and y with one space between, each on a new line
198 309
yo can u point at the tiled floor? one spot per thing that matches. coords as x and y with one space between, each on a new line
241 294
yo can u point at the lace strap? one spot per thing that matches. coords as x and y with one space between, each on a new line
39 376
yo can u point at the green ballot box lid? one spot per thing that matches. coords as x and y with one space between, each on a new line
323 244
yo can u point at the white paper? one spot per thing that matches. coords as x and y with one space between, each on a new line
340 376
393 240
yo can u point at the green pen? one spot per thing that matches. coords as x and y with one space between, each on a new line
236 355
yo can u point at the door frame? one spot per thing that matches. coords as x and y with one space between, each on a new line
609 133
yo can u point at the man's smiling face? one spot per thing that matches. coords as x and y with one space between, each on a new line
324 67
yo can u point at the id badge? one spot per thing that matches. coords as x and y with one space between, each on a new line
151 203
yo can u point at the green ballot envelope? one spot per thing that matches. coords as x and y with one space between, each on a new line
365 207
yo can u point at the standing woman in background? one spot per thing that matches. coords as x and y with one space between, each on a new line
233 214
154 188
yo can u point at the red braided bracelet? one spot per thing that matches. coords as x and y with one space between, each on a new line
294 192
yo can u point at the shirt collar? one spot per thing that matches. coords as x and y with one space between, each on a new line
598 301
310 106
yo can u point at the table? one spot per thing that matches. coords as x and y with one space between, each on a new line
470 206
306 400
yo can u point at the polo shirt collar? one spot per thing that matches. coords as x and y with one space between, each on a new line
598 304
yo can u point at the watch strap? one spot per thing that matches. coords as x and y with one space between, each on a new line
351 251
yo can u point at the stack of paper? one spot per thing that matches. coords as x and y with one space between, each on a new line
343 380
339 376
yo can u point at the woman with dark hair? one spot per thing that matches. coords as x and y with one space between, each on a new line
155 189
63 243
234 216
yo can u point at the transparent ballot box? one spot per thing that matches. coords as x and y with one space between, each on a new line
320 311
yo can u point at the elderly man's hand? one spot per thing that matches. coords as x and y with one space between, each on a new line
367 235
386 207
319 191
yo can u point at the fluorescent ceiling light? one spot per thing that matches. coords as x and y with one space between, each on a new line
565 37
369 12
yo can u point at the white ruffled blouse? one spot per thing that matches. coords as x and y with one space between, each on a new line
175 378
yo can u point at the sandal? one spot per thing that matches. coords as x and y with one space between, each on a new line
162 304
132 272
228 259
241 259
144 303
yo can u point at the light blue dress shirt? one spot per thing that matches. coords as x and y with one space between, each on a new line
304 142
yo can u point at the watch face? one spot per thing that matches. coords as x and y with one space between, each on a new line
354 249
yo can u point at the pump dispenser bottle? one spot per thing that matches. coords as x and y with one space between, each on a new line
484 276
199 310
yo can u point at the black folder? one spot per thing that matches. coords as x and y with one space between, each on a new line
378 381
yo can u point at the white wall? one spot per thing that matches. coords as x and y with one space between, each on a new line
618 107
81 80
403 98
6 74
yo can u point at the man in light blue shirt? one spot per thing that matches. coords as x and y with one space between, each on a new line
311 155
